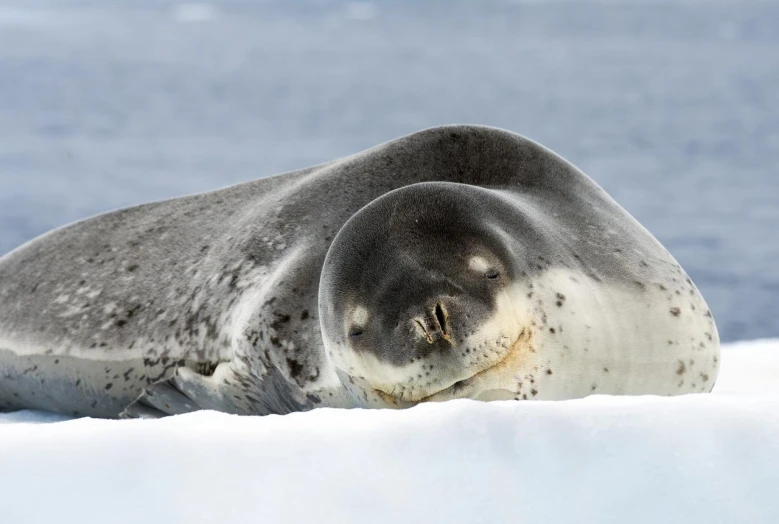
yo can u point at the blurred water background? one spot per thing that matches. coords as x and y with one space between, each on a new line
673 107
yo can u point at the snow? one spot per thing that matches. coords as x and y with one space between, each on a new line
698 458
749 368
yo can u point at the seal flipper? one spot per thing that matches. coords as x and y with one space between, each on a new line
184 392
159 400
140 410
227 390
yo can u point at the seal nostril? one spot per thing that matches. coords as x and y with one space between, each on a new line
440 317
424 330
355 332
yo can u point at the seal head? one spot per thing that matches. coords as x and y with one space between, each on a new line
416 294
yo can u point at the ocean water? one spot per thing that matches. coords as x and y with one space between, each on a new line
673 107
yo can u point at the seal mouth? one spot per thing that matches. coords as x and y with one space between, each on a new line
463 388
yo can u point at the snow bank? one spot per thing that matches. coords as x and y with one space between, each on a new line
749 368
698 458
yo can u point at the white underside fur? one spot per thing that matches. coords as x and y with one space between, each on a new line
580 337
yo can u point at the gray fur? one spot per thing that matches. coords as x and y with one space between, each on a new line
145 302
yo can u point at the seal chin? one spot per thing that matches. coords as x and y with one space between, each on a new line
489 383
470 387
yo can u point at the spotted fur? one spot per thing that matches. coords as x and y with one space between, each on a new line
509 274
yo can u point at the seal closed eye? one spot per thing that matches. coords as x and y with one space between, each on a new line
460 261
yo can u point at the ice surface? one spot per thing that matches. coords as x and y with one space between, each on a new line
697 458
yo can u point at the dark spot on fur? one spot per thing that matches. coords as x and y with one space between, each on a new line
313 398
675 311
681 369
132 311
280 321
552 330
548 371
295 368
304 315
132 267
206 369
109 385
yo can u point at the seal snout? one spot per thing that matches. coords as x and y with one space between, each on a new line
434 324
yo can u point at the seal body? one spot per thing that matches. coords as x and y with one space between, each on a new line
459 261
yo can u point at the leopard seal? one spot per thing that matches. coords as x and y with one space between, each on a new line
459 261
